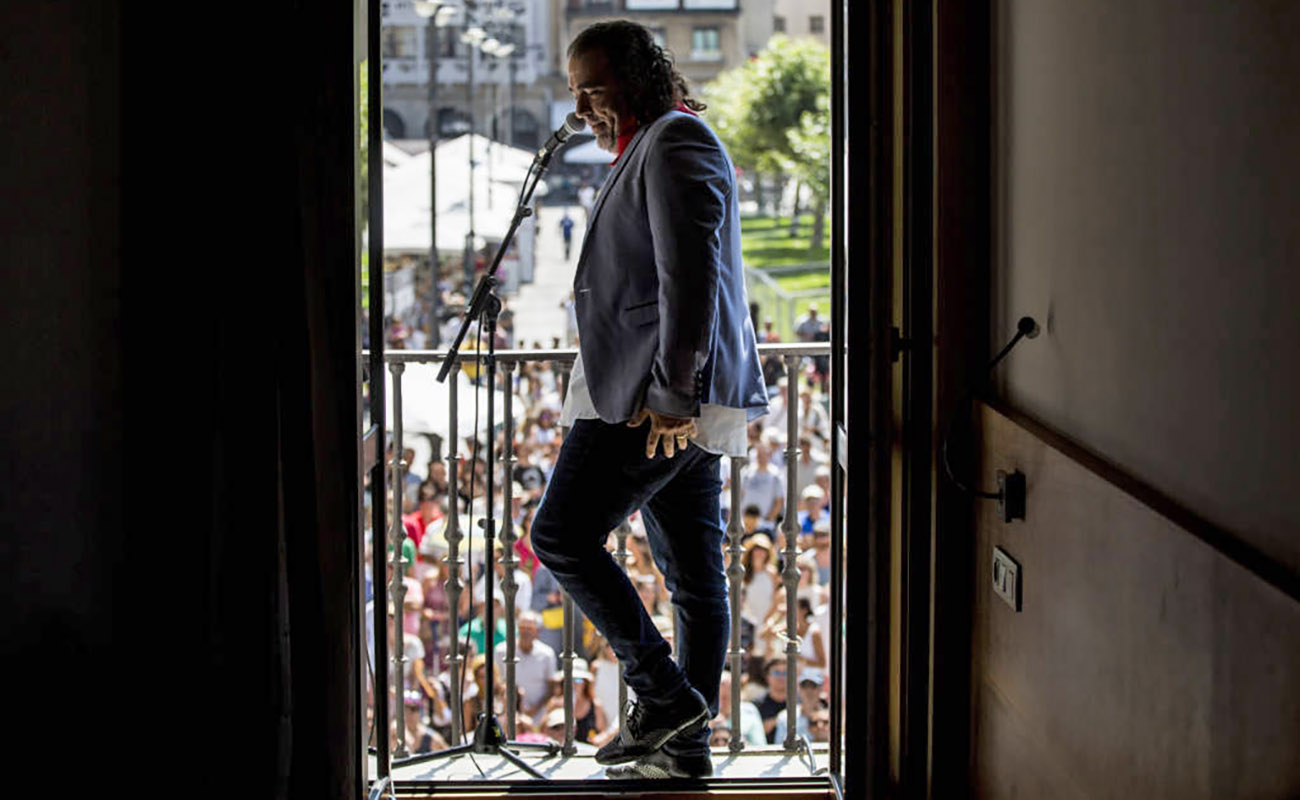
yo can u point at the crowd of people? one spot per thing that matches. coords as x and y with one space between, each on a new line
426 688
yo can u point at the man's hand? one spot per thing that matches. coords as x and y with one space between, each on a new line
675 431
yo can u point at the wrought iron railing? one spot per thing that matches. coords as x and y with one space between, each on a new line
508 362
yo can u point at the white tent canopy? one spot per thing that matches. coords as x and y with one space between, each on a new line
498 177
586 153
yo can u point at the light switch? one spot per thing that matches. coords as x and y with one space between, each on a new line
1006 578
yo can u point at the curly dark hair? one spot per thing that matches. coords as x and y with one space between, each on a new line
652 84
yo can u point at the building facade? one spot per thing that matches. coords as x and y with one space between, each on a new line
802 18
499 84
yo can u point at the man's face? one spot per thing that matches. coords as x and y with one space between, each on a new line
598 96
527 634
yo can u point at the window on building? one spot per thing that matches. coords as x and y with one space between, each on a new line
778 24
706 44
399 41
816 24
660 36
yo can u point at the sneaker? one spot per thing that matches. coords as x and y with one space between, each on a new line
648 727
661 764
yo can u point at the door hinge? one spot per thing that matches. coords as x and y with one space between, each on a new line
897 344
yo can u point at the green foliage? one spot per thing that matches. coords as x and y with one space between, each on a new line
810 145
755 106
363 132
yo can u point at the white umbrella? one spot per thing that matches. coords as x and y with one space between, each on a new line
406 194
426 403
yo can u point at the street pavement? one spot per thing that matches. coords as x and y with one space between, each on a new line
538 313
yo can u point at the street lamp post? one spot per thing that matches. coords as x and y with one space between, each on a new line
438 15
473 36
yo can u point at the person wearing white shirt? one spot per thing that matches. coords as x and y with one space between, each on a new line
535 663
761 484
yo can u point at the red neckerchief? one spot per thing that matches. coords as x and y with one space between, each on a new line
630 129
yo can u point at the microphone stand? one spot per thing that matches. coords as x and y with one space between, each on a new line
489 738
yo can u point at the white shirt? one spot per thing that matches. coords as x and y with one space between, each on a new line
533 670
523 593
760 486
721 428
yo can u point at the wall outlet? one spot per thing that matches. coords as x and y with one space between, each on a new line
1006 578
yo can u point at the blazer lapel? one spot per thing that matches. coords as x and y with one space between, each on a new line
605 190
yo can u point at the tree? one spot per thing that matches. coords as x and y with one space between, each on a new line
811 144
755 106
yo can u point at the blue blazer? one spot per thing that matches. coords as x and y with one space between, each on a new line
660 288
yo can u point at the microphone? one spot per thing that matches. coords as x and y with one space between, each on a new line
572 124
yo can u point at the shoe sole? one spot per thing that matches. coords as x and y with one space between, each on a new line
662 740
643 769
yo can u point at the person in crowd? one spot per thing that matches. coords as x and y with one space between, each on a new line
547 602
761 578
536 662
762 485
436 613
773 700
751 720
811 456
819 725
428 510
812 644
420 738
813 417
812 509
810 325
809 702
566 230
822 552
588 713
604 669
523 582
752 523
719 732
474 626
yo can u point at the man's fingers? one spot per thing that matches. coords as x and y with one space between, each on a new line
669 449
651 443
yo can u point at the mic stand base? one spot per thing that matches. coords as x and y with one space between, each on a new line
489 739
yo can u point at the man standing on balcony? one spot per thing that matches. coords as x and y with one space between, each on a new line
667 378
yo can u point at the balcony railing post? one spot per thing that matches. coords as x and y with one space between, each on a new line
620 555
735 577
790 573
507 536
566 661
397 587
454 563
566 652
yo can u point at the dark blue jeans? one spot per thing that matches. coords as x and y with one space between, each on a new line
602 476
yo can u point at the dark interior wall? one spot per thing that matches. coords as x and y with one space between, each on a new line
61 462
1148 176
179 450
1142 662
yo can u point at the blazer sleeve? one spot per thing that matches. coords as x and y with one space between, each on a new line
687 186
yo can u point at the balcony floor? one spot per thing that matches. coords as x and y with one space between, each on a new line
769 763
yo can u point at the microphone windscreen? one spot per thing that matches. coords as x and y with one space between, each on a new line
573 124
1027 327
